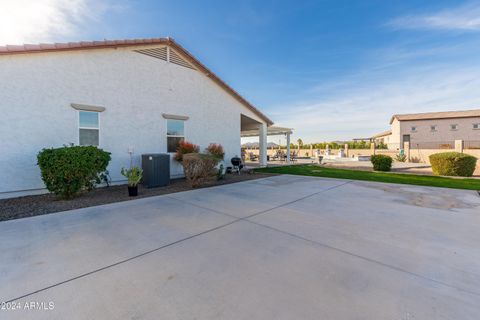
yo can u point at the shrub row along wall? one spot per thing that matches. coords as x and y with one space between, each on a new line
416 155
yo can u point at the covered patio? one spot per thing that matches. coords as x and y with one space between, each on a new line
251 128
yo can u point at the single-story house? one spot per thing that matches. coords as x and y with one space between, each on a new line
432 130
128 97
382 137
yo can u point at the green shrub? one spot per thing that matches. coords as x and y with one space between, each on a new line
381 162
69 169
401 157
134 175
198 167
453 164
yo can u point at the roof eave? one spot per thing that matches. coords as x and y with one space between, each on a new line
219 81
88 45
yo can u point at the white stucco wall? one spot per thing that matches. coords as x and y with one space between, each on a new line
36 91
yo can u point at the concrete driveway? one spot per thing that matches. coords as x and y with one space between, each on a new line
284 247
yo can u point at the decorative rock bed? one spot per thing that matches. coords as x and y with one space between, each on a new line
30 206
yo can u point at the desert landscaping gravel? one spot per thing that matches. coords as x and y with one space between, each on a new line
30 206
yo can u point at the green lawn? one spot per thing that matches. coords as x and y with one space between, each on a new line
318 171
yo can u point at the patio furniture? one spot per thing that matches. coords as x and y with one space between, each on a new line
293 156
237 164
252 156
278 155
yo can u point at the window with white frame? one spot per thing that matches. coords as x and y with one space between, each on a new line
89 128
476 126
413 129
175 134
454 127
433 127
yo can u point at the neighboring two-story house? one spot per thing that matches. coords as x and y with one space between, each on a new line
432 130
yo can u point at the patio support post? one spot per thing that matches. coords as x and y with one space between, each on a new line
288 147
263 145
406 146
459 145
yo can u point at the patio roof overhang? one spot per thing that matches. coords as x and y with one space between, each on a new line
271 131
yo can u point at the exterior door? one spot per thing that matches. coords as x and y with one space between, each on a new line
405 138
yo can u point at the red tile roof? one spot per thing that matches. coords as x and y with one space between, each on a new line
45 47
85 45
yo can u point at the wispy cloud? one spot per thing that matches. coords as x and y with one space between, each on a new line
407 76
367 108
27 21
462 18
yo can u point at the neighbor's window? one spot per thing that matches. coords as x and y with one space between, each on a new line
454 127
433 128
413 129
88 128
476 126
175 134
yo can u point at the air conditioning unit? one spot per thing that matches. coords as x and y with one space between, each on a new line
156 170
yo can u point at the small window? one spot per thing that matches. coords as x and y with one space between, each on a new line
88 128
413 129
454 127
175 134
476 126
433 128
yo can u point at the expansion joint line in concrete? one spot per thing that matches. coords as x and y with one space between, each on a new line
247 219
162 247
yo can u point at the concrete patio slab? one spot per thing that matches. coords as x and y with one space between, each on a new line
393 229
244 271
44 250
242 200
333 249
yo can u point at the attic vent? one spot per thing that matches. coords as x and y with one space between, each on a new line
166 54
159 53
175 58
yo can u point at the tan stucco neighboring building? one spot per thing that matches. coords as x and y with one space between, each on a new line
432 130
383 137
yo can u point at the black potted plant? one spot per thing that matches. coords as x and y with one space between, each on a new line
134 175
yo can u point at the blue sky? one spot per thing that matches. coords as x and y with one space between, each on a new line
329 69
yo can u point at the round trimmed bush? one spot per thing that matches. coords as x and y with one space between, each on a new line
381 162
69 169
453 164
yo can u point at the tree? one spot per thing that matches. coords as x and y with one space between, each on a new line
300 143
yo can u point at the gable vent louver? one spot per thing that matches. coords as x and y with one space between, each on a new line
159 53
166 54
175 58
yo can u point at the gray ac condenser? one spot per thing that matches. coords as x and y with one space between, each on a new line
156 170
